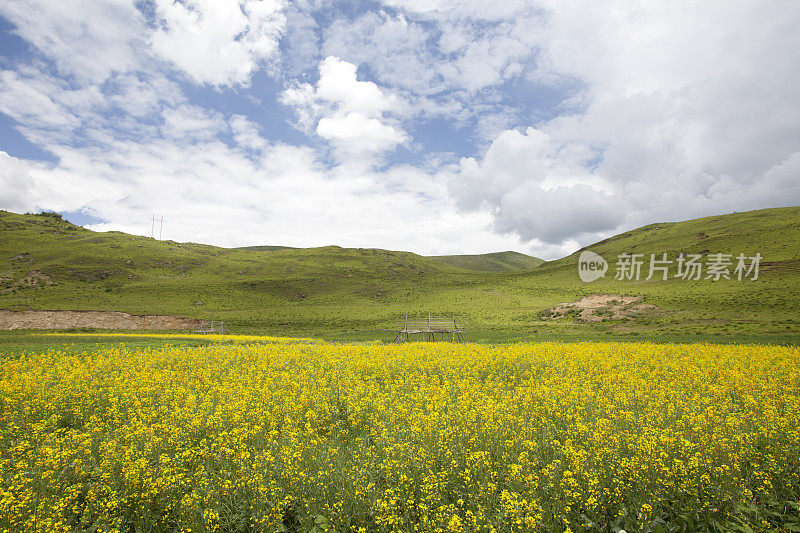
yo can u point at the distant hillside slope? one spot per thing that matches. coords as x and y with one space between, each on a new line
265 248
48 263
774 233
770 304
492 262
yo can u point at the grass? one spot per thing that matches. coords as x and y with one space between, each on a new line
15 344
327 292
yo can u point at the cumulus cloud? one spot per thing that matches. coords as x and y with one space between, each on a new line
16 184
339 85
684 111
440 55
355 116
213 193
357 133
536 189
219 43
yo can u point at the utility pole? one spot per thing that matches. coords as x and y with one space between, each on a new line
153 221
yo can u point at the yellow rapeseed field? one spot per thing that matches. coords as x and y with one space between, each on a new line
311 437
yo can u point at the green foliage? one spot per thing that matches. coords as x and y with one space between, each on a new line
49 214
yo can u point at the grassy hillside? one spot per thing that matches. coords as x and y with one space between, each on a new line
772 232
265 248
493 262
47 263
770 304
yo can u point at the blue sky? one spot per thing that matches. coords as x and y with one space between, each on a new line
434 126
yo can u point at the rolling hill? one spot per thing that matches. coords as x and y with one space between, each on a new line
772 232
265 248
492 262
48 263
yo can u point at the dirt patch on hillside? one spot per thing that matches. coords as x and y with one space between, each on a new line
34 278
93 319
598 307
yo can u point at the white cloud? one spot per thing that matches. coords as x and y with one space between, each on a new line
16 184
491 124
537 190
191 122
209 192
141 95
486 56
461 54
33 101
395 49
86 42
355 116
356 133
300 42
686 110
302 98
339 85
464 9
218 42
246 133
446 60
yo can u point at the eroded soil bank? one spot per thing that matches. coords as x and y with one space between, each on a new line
93 319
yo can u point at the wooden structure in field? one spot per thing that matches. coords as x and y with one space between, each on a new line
218 327
445 328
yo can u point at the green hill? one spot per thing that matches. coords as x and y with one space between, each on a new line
772 232
265 248
770 304
493 262
48 263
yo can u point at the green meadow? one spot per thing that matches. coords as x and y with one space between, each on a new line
353 294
